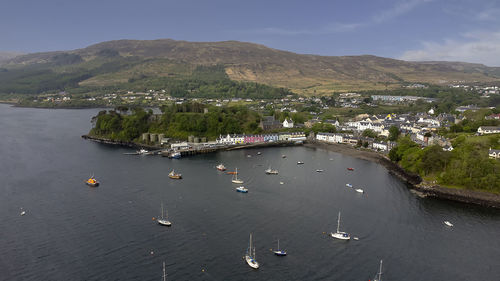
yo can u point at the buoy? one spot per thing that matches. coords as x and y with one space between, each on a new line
153 218
202 270
152 253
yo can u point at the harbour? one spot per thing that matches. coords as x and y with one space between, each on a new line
116 238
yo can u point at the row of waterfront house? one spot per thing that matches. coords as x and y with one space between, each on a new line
354 140
261 138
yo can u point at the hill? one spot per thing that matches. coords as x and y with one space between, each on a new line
125 62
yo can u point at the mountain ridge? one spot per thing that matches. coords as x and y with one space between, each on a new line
243 61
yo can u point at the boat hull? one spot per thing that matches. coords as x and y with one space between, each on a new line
237 181
164 222
251 262
242 190
341 235
280 253
92 184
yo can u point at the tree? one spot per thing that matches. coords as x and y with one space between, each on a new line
394 133
369 133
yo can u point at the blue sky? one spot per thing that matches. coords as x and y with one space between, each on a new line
455 30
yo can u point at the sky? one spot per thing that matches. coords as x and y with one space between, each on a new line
451 30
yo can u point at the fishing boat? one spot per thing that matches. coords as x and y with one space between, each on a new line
241 189
270 171
348 185
221 167
92 182
279 252
174 175
359 190
319 170
350 169
235 178
378 276
175 155
340 234
164 219
448 223
250 255
300 163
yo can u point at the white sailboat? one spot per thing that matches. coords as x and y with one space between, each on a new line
279 252
340 234
250 255
378 277
270 171
235 177
164 220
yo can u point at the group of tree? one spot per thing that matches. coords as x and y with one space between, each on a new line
467 165
175 121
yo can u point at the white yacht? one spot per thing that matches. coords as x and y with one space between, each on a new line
235 178
340 234
378 277
164 220
250 255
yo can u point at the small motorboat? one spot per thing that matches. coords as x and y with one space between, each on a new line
221 167
174 175
283 156
241 189
259 153
359 190
448 223
23 213
248 155
348 185
279 252
319 170
300 162
142 151
350 169
282 182
270 171
92 182
175 155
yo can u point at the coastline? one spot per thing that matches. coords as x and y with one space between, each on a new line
415 182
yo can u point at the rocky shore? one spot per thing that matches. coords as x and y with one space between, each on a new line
425 189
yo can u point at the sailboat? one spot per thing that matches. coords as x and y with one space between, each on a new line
164 273
279 252
164 220
250 255
340 234
378 277
235 178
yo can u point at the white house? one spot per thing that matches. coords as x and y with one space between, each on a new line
288 123
380 146
494 153
180 145
330 137
484 130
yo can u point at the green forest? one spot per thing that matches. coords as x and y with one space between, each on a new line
175 121
466 166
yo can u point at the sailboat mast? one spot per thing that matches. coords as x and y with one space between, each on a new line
338 224
161 210
380 272
164 273
278 244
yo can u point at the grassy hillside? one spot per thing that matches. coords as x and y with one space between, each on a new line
119 62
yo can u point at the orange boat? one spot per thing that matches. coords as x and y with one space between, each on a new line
92 182
231 173
350 169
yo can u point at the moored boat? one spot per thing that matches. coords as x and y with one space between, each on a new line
348 185
350 169
300 162
378 277
270 171
164 219
448 223
278 251
241 189
92 182
221 167
340 234
175 155
319 170
359 190
174 175
235 178
250 255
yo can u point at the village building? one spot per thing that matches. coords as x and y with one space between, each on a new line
288 123
484 130
494 153
268 123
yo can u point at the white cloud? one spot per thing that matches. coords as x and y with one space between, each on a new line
477 47
399 9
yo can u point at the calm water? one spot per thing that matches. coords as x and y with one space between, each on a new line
73 232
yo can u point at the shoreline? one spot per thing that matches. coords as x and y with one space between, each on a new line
414 182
